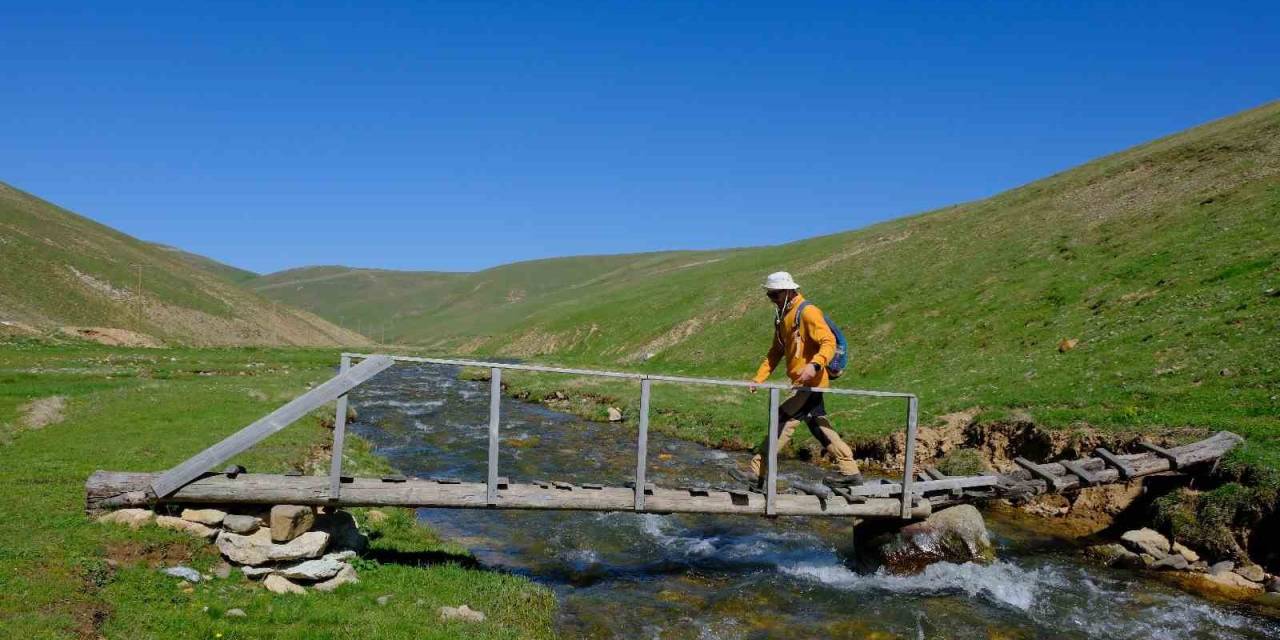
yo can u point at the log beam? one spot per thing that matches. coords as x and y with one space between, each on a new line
111 489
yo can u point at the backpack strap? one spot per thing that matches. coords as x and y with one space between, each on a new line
799 310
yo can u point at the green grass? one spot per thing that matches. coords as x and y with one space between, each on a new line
149 409
1163 261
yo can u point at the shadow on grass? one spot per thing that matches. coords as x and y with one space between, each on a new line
421 558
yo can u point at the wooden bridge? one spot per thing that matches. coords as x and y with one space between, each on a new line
916 495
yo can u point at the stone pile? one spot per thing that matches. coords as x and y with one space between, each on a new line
1149 549
289 548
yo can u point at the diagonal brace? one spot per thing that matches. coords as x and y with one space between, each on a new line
189 470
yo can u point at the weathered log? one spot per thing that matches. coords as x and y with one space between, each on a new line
1142 464
108 489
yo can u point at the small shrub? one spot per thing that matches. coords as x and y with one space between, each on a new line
1213 521
962 462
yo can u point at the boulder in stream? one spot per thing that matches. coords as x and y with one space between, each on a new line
957 534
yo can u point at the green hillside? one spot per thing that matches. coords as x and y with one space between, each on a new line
223 270
1162 261
456 311
64 271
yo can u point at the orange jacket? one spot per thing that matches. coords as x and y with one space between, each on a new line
812 342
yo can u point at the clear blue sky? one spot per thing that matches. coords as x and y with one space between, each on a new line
457 136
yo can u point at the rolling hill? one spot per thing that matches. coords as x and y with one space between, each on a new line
64 271
1140 289
220 269
459 311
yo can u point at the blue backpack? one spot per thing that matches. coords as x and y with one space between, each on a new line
841 359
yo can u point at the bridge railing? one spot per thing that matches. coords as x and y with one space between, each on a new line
646 380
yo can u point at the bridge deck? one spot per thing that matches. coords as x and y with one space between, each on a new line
109 489
114 489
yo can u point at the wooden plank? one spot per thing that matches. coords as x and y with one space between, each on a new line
1054 482
241 440
909 458
954 482
495 408
934 473
1111 459
1174 460
115 489
771 475
642 446
339 436
1086 477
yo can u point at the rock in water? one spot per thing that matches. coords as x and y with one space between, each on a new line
289 521
280 584
463 613
206 517
957 534
243 525
1146 541
1173 561
1183 551
1224 566
1251 572
1231 582
1114 555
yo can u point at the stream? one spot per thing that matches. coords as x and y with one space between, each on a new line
626 575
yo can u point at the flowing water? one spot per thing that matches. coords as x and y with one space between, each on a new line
628 575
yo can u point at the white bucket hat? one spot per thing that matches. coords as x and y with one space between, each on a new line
780 280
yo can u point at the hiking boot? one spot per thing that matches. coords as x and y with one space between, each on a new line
837 482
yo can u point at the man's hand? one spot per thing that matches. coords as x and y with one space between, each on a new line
809 376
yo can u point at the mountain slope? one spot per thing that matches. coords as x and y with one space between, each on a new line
449 310
1162 263
64 270
220 269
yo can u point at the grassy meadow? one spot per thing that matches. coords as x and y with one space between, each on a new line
64 576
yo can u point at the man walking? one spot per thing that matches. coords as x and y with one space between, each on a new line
808 345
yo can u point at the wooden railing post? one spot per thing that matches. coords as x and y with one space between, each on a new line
908 463
495 408
339 437
642 444
771 477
